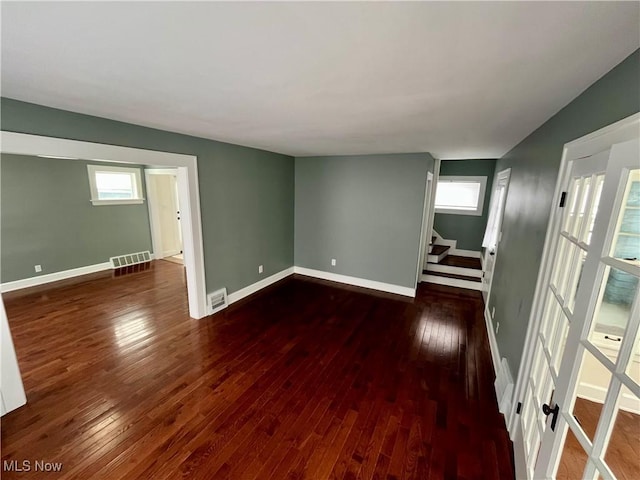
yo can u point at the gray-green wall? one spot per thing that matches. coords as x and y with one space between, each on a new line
246 195
365 211
47 219
468 230
534 167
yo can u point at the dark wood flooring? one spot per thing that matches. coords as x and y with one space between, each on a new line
464 262
306 380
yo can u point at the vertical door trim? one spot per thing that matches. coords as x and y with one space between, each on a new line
504 175
424 231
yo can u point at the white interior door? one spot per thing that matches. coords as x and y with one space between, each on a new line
583 371
427 230
164 209
493 233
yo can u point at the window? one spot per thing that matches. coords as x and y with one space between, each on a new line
460 195
114 185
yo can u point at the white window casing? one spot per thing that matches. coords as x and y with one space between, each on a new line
111 185
460 195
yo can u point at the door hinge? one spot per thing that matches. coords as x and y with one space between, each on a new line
519 408
563 198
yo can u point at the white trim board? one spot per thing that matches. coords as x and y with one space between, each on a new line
358 282
452 282
493 342
259 285
54 277
464 253
438 267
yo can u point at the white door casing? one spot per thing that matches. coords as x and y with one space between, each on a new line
426 231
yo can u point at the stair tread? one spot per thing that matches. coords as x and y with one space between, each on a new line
452 275
459 261
439 249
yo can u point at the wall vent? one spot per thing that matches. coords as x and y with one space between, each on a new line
217 301
130 259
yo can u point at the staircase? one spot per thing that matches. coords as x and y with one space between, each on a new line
452 270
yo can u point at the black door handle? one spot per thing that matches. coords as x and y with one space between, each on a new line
547 410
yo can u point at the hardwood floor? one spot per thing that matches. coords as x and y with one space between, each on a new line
622 454
306 380
464 262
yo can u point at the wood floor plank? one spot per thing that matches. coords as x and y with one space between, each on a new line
307 379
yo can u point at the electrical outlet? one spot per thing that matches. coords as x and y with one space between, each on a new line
497 327
38 268
333 262
260 269
493 312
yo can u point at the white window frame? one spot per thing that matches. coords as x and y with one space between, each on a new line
465 179
134 172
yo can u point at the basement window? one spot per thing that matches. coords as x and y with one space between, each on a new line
460 195
115 185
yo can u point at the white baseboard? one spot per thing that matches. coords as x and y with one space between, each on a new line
54 277
493 343
358 282
470 272
519 453
597 394
451 282
465 253
254 287
504 388
504 383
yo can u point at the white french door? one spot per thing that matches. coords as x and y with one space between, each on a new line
584 375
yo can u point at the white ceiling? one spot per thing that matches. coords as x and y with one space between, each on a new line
461 80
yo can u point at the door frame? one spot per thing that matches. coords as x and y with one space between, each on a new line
424 231
502 175
187 166
154 222
585 146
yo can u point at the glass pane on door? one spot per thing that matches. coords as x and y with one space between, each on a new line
623 451
613 312
573 460
593 382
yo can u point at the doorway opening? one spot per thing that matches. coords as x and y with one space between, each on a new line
186 174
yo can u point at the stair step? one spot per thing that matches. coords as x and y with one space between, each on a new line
452 275
439 249
464 262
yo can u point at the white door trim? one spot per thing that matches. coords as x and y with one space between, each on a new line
424 231
23 144
582 147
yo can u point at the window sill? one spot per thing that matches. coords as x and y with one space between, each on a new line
136 201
